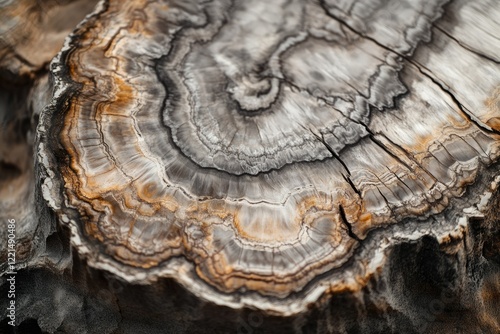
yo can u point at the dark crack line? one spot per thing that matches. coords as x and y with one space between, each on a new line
388 151
470 116
353 186
466 47
400 180
407 155
336 156
397 147
466 112
348 225
389 206
395 156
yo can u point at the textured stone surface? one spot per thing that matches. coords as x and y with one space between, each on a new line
300 159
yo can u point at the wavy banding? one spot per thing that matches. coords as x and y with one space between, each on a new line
244 147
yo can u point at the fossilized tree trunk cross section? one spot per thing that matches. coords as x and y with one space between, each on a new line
248 148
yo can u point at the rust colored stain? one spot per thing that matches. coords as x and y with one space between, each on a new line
493 106
494 123
124 97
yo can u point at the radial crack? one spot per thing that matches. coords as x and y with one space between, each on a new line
348 225
466 47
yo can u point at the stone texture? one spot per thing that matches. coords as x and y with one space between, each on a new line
307 166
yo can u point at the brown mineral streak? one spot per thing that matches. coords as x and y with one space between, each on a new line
493 106
152 184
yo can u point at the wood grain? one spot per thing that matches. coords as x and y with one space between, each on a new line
292 158
263 151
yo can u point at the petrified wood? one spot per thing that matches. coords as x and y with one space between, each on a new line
266 166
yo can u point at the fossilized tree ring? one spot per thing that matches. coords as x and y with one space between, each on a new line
239 146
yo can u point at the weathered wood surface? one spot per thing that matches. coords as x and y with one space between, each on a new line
293 158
